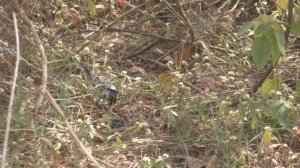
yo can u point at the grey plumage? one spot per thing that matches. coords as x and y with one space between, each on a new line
101 85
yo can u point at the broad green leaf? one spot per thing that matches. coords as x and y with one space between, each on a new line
298 87
261 24
277 42
261 50
269 85
282 5
268 23
280 42
92 8
262 29
276 54
295 25
283 113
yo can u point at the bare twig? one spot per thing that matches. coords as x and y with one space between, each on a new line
186 19
45 92
58 109
143 34
151 45
12 94
41 50
73 134
234 6
112 23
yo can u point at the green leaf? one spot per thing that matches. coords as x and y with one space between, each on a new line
254 23
92 8
246 26
119 143
261 50
277 42
273 42
298 87
283 113
282 5
269 85
267 136
262 29
295 25
280 42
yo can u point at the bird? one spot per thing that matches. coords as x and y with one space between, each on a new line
102 85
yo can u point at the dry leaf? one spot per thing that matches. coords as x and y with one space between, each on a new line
167 82
145 26
184 55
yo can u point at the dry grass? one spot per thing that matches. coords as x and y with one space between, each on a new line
194 125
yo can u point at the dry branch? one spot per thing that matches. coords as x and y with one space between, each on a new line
12 94
41 50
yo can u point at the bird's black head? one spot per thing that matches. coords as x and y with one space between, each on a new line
112 96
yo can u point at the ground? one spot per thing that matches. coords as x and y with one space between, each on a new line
183 101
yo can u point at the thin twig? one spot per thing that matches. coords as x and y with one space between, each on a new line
111 24
144 34
143 50
45 92
12 94
186 20
72 132
41 50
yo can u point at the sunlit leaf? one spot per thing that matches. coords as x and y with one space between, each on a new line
262 29
295 25
282 5
269 85
92 8
261 50
119 143
267 136
253 122
167 82
298 87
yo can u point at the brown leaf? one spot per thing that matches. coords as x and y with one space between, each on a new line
145 26
184 55
167 82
